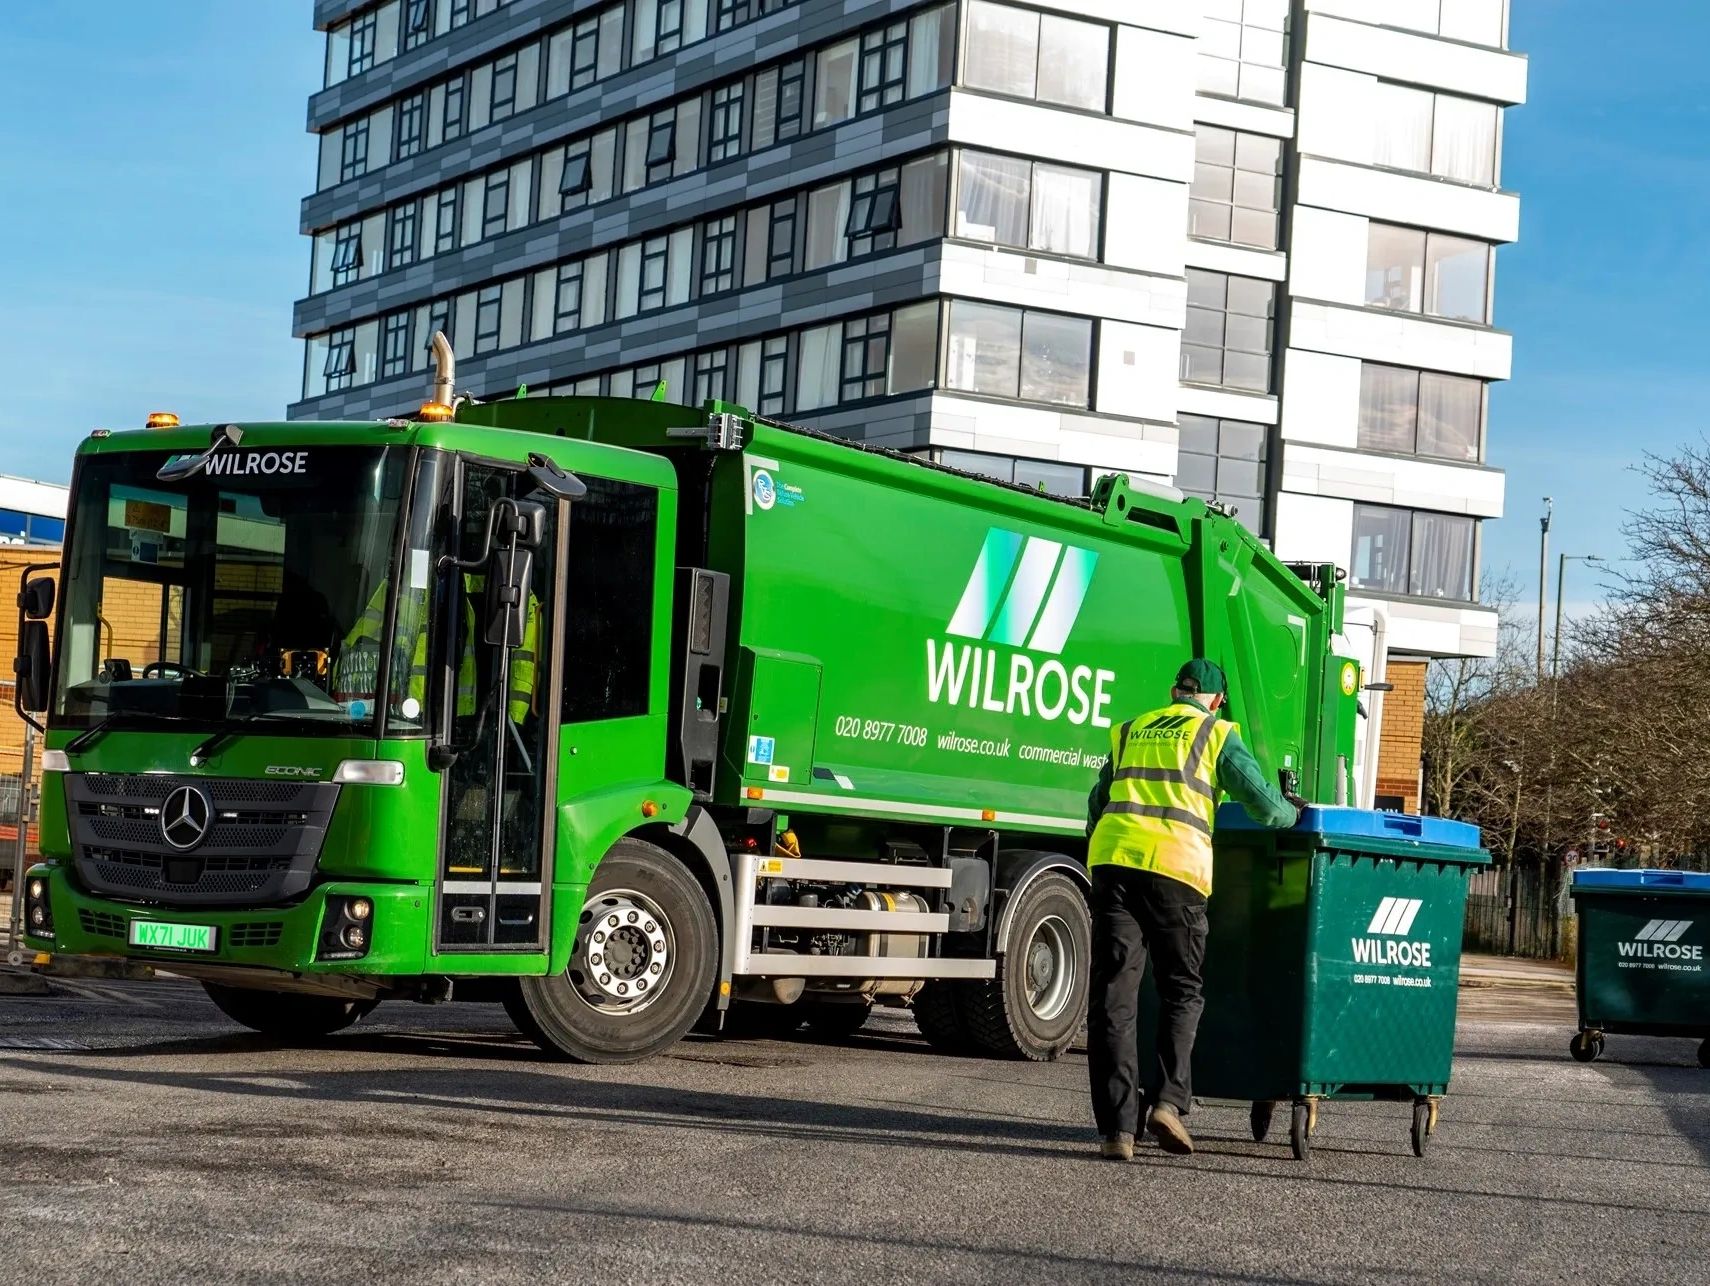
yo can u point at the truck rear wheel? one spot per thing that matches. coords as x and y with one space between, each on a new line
1035 1006
641 969
287 1015
938 1014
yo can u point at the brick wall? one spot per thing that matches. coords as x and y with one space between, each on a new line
1403 732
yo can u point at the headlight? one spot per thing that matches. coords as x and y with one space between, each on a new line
38 917
36 888
359 909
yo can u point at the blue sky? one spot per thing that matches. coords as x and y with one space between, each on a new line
153 256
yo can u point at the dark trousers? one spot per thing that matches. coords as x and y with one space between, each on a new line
1136 913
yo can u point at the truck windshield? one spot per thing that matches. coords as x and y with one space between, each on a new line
253 593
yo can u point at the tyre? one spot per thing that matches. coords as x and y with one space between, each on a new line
938 1014
1585 1047
1035 1006
835 1020
287 1015
1300 1131
641 969
1421 1126
1259 1119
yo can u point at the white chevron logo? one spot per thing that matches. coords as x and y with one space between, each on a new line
1663 931
1394 917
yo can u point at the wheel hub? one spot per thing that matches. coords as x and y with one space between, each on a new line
623 953
1050 965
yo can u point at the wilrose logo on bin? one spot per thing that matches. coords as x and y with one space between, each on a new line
1661 940
1388 943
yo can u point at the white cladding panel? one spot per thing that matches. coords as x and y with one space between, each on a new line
1321 398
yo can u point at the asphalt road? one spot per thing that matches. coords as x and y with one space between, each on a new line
144 1138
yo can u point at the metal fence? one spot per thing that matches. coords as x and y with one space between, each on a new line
1516 911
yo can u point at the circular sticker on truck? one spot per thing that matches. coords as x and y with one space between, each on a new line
765 490
1350 679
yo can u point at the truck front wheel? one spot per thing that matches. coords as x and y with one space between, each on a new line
287 1015
641 968
1035 1006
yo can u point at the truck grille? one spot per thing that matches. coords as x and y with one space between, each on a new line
256 933
260 842
101 924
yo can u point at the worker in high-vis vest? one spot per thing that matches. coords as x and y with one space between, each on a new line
1149 852
357 661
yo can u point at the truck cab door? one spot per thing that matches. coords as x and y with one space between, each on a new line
496 842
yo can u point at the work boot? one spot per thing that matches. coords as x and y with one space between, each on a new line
1166 1126
1117 1147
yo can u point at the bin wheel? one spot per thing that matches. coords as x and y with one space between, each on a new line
1422 1125
1704 1053
1585 1047
1260 1119
1300 1131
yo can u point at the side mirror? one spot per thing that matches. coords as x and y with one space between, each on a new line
32 667
510 573
546 473
36 599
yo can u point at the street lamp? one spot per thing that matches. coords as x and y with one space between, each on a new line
1543 575
1561 574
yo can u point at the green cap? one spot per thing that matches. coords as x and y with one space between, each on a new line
1202 676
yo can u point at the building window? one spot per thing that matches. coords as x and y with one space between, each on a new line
781 249
496 203
455 113
1012 353
661 147
439 323
1412 271
875 214
583 175
1404 551
445 220
567 301
1029 205
792 98
418 22
1224 461
460 12
1441 134
412 125
725 135
1237 187
353 154
712 375
884 66
488 311
1422 413
363 33
1477 22
1243 50
395 345
1049 59
401 235
774 370
1228 335
866 357
1047 476
585 55
340 366
732 13
655 259
718 255
347 255
504 95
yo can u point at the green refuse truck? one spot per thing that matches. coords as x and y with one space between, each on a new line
630 715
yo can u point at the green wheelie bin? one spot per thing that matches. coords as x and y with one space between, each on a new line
1332 964
1641 968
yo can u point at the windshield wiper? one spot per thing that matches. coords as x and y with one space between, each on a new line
203 752
78 744
226 435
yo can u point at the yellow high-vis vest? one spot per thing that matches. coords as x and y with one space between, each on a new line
1163 794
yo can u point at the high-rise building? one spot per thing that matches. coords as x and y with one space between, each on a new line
1241 247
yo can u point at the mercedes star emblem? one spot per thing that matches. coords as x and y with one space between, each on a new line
185 816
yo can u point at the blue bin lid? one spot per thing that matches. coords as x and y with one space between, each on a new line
1367 823
1602 877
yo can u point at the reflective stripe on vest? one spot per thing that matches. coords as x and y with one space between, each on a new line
1163 795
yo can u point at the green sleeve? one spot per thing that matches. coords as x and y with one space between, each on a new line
1240 777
